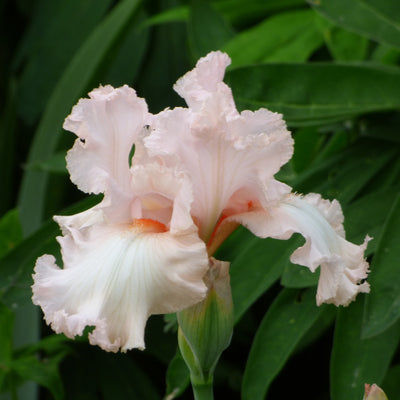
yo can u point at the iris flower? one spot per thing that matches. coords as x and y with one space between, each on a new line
196 174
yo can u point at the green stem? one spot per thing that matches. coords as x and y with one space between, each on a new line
203 391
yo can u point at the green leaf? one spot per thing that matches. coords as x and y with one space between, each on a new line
286 322
207 29
235 11
307 144
383 303
342 44
290 36
121 378
372 126
391 383
165 63
298 276
325 320
340 139
356 361
17 265
51 42
386 55
298 49
10 231
6 334
344 175
177 14
308 94
42 371
8 147
367 215
178 378
54 164
256 268
50 345
377 20
240 12
125 63
73 82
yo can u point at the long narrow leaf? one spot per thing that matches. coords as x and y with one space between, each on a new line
356 361
50 41
382 307
74 81
256 269
308 94
218 31
17 265
290 36
378 20
286 322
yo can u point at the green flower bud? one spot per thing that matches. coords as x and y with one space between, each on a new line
205 329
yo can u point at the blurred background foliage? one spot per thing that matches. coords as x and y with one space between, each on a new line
330 66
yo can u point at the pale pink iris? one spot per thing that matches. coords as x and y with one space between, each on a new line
196 174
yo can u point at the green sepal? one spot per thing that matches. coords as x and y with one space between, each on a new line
205 329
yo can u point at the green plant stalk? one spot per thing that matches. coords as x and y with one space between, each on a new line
205 330
203 391
202 381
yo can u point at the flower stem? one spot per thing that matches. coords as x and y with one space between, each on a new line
203 390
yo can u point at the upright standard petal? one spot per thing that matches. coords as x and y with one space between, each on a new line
221 150
115 277
343 266
107 125
205 81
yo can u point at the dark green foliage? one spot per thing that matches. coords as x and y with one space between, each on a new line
331 67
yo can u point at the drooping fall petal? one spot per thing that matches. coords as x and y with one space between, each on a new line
134 254
114 278
343 266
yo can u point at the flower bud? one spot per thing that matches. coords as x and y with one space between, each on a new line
205 329
374 392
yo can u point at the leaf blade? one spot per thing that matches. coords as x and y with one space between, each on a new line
306 94
376 20
382 305
354 360
282 328
73 82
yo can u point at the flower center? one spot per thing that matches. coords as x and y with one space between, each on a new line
148 225
220 233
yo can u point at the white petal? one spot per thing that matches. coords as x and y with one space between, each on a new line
221 153
205 80
107 126
165 194
114 279
343 266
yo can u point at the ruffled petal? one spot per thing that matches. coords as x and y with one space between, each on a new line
114 278
164 194
221 154
343 266
205 81
107 125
